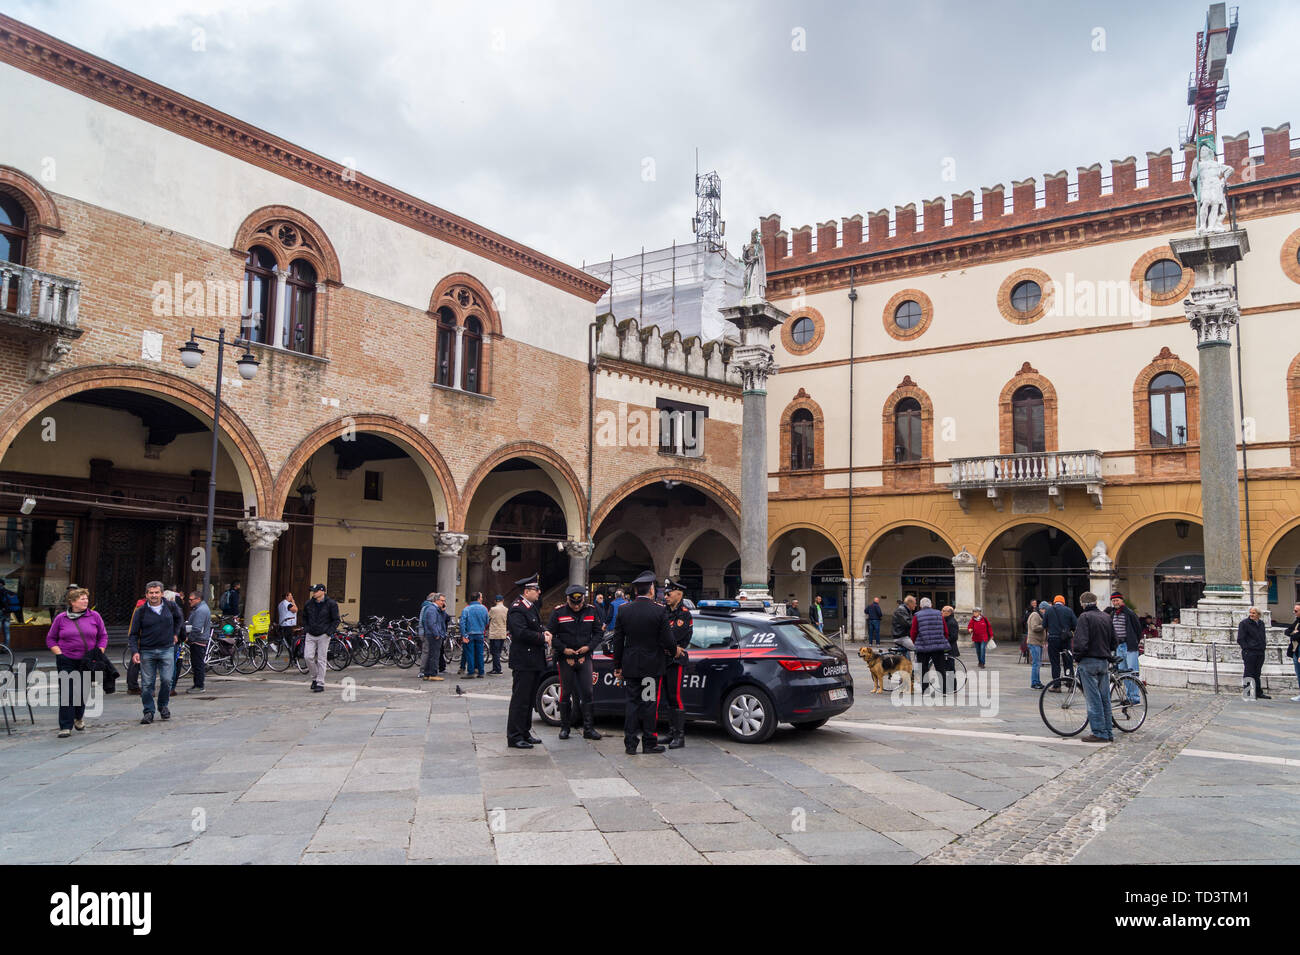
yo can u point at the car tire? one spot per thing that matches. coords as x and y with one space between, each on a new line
811 724
748 715
547 703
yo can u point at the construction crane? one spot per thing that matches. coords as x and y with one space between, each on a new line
1207 86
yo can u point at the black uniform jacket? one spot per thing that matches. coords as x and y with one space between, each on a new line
527 645
641 639
680 625
574 629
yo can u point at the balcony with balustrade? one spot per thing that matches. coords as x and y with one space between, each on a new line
41 309
998 476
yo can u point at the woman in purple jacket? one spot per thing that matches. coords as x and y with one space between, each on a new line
74 635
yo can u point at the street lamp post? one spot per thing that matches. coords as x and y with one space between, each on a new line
191 356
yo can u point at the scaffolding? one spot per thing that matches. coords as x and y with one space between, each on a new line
679 288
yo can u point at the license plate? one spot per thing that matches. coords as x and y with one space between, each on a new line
839 694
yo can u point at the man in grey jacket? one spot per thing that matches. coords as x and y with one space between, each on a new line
197 629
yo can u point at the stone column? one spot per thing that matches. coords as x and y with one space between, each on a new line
965 573
857 626
261 535
1101 574
449 547
476 556
579 552
275 334
456 364
1213 312
753 359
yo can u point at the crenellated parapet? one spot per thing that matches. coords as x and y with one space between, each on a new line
669 351
1029 203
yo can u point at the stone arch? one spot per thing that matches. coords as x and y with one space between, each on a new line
422 451
487 308
1165 361
319 251
574 503
1027 375
686 542
722 495
1025 520
802 400
884 529
1261 557
835 543
1146 521
236 437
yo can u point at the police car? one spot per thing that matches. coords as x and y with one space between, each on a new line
748 671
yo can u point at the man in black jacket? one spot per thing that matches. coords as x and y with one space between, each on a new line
528 643
576 629
642 644
151 640
681 625
1093 647
320 619
1253 641
1060 622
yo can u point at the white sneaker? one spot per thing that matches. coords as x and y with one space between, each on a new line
1295 699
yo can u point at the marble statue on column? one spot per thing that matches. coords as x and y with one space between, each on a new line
751 256
1209 178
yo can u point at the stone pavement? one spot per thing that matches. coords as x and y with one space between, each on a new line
260 770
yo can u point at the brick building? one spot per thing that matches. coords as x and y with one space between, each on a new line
435 407
1006 407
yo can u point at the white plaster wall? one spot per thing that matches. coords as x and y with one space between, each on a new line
118 162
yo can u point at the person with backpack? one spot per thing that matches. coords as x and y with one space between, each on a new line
229 603
74 638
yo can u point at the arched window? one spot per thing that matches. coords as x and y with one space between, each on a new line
802 440
260 273
1168 394
13 231
1027 423
907 431
300 307
472 359
446 367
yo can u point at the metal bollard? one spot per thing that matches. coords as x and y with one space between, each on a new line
1214 661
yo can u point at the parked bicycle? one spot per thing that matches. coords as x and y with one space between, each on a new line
1064 706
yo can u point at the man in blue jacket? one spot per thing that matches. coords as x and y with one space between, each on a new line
1060 622
433 625
473 627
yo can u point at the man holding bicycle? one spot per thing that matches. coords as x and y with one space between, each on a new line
1093 647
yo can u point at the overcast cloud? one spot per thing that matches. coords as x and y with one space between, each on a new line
538 119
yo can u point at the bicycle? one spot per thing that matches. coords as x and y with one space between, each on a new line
1065 711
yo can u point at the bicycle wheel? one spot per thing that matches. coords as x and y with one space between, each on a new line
126 657
1125 714
364 652
183 663
6 657
278 654
1063 707
338 656
221 661
299 660
406 654
249 657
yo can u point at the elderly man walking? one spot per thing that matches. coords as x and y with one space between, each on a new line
930 634
1253 640
433 627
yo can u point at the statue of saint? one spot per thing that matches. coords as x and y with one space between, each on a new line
1209 177
751 256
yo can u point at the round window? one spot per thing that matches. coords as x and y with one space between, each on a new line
1163 277
908 315
1026 296
803 331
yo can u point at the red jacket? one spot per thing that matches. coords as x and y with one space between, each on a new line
981 631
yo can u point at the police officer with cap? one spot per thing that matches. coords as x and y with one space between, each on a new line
680 625
528 643
642 644
576 629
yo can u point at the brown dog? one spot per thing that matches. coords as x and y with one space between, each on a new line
883 664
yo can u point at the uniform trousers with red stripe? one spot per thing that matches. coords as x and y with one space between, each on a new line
575 689
670 695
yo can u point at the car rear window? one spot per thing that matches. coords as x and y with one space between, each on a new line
795 637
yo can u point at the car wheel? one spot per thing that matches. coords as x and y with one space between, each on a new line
748 715
811 724
547 703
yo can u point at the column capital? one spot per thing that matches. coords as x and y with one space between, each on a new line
579 549
1100 562
963 558
449 544
261 533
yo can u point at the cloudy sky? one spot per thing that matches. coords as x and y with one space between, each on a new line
572 126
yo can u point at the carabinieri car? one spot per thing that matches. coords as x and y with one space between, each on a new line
748 670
